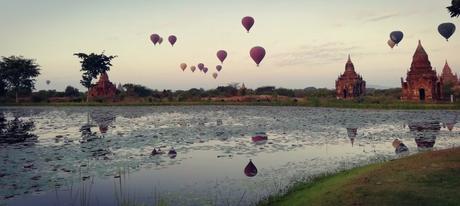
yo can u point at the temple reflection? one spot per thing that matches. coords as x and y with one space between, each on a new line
352 133
425 133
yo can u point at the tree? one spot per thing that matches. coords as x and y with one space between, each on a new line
71 92
454 9
18 74
2 86
93 65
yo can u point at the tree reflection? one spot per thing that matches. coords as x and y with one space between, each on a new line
16 130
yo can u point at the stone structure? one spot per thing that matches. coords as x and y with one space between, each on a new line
103 89
350 84
448 77
422 83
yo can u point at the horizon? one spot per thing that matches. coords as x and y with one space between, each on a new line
307 43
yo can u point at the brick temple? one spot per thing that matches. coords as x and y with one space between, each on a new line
448 77
422 83
103 89
350 84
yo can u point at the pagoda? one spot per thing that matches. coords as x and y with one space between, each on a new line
448 77
422 83
103 89
350 84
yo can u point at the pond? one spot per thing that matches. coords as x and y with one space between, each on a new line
205 155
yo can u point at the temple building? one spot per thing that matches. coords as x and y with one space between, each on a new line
350 84
448 77
422 83
103 89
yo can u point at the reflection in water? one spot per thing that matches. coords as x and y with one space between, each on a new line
352 133
250 170
425 133
16 130
259 138
400 147
212 141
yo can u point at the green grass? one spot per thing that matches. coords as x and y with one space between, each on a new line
431 178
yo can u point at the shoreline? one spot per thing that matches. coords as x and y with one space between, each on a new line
426 178
335 104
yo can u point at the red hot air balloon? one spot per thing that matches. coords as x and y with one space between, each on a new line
218 68
221 55
172 39
200 66
247 22
155 38
193 68
250 170
257 54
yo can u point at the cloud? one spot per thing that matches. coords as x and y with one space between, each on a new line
381 17
331 52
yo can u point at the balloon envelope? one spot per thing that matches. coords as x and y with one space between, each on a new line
48 82
250 170
446 30
154 38
218 68
214 75
160 40
193 68
257 54
172 39
200 66
396 36
391 43
205 70
221 55
183 66
247 22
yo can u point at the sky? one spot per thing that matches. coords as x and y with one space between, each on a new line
307 41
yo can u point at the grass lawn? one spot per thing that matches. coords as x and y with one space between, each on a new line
430 178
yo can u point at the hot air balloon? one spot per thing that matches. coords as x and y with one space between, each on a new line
160 40
200 66
250 170
214 75
396 37
247 22
154 38
218 68
257 54
205 69
193 68
221 55
446 30
391 43
172 39
48 82
183 66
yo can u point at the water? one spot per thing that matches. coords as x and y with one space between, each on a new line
102 155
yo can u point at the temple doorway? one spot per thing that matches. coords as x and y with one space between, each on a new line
422 94
345 93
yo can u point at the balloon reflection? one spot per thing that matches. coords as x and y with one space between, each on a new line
250 170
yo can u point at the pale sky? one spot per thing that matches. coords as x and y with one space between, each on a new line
307 41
